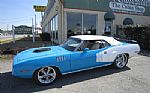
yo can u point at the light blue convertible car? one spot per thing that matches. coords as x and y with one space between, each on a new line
78 53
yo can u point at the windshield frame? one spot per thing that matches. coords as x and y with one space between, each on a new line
64 45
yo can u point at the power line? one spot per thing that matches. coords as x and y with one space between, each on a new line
16 20
17 17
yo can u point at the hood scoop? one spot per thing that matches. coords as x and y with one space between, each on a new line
41 50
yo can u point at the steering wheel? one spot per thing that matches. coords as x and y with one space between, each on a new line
79 49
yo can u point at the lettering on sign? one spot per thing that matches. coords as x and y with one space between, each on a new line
134 2
127 8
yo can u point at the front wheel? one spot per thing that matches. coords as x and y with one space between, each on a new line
120 61
45 76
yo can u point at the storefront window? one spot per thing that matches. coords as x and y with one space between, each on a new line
54 27
89 24
46 28
74 23
54 30
79 23
56 18
51 25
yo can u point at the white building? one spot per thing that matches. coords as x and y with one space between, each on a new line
64 18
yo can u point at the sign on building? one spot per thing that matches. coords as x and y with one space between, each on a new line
127 7
39 8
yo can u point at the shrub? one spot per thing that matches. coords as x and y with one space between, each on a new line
45 36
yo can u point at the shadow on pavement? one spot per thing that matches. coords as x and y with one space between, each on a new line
10 84
145 53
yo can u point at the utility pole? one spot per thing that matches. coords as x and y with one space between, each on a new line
35 24
7 27
33 37
82 32
13 33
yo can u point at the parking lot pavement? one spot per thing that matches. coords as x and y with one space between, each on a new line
135 78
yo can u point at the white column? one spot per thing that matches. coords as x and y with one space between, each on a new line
101 24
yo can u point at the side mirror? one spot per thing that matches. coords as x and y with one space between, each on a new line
86 49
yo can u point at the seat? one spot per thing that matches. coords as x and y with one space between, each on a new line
95 46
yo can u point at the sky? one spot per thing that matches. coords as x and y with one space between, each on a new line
19 12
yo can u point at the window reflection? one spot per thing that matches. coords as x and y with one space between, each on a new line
78 23
54 27
89 24
74 23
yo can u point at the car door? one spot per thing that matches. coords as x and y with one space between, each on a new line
103 57
83 59
96 56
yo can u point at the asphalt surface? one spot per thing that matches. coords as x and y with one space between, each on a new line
135 78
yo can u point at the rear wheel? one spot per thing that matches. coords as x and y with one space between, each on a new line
45 76
121 61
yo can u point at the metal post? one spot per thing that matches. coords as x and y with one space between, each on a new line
82 25
13 33
33 31
35 24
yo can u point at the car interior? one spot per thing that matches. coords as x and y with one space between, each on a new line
93 44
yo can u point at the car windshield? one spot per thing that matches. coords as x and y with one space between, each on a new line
71 44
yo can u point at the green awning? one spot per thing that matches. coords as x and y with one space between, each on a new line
96 5
128 21
109 16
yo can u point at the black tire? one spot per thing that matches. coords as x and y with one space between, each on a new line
117 62
39 73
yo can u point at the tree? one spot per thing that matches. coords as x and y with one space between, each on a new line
1 31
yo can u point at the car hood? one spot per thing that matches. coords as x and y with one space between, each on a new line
41 52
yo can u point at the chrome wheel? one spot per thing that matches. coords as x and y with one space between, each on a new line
46 75
121 61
